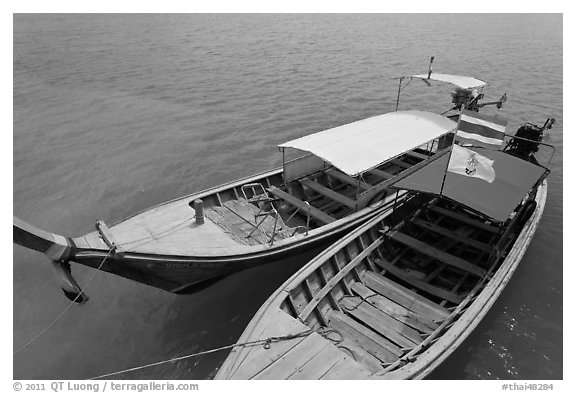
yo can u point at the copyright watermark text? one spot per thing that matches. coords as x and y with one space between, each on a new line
103 386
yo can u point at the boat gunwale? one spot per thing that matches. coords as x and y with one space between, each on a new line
257 251
207 191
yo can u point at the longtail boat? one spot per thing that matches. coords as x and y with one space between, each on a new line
396 296
339 178
313 198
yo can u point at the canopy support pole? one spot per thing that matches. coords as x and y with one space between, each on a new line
450 155
398 97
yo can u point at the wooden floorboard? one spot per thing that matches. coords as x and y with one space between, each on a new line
393 309
417 283
380 322
318 365
252 359
380 347
363 357
405 297
435 253
294 359
346 369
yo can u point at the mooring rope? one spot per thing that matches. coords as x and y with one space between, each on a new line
324 332
154 236
265 341
65 308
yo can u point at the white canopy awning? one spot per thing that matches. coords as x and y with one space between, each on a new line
465 82
357 147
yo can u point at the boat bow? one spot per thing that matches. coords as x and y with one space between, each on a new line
59 249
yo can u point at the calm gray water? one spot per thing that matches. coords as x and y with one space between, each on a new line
115 113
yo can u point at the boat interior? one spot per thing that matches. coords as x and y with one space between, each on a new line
272 208
390 292
307 194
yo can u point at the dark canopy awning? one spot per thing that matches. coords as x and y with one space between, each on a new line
514 177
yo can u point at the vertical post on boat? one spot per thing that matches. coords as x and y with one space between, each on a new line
199 210
394 209
398 97
430 67
283 163
450 155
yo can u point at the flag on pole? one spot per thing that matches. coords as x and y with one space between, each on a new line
480 130
469 163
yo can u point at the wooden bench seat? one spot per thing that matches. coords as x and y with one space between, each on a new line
417 155
435 253
467 220
451 234
343 177
400 163
299 204
417 283
319 188
381 174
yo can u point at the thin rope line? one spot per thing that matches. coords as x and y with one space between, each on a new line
65 309
265 341
154 236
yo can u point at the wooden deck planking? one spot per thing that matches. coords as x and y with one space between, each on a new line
298 203
372 342
435 253
345 369
327 192
294 359
405 297
381 322
363 357
417 283
171 229
320 364
252 359
393 309
239 218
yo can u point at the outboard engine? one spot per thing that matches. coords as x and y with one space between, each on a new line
462 98
469 99
525 142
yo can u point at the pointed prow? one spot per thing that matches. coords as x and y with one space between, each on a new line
58 249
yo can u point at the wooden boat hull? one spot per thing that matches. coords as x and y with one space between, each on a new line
188 273
307 313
